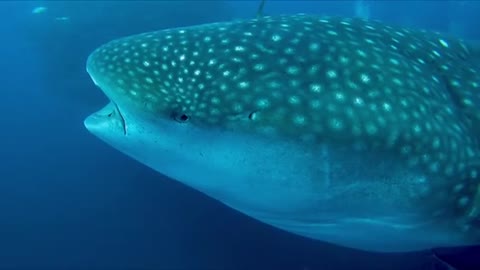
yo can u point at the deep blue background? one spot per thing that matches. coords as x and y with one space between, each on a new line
67 200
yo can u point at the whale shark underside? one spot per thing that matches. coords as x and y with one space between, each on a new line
343 130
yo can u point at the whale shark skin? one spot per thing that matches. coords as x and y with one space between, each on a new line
343 130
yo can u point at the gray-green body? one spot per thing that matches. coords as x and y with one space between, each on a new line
342 130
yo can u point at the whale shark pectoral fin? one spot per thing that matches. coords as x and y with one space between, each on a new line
467 198
464 257
438 263
475 48
474 211
456 258
260 9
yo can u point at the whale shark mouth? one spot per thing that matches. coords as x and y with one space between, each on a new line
124 123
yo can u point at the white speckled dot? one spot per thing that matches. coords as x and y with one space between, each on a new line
365 78
294 100
315 104
215 100
276 38
314 46
293 70
244 84
339 96
263 103
336 124
259 67
331 74
386 106
371 128
463 201
239 48
358 101
299 119
316 88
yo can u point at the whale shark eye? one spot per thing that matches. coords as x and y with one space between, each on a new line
252 115
110 114
182 118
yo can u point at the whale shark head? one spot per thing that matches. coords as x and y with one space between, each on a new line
341 130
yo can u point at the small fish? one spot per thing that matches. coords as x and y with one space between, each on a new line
344 130
62 18
39 10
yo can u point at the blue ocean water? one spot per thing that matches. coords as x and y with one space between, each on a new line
69 201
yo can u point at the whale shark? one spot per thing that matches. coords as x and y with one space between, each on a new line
344 130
